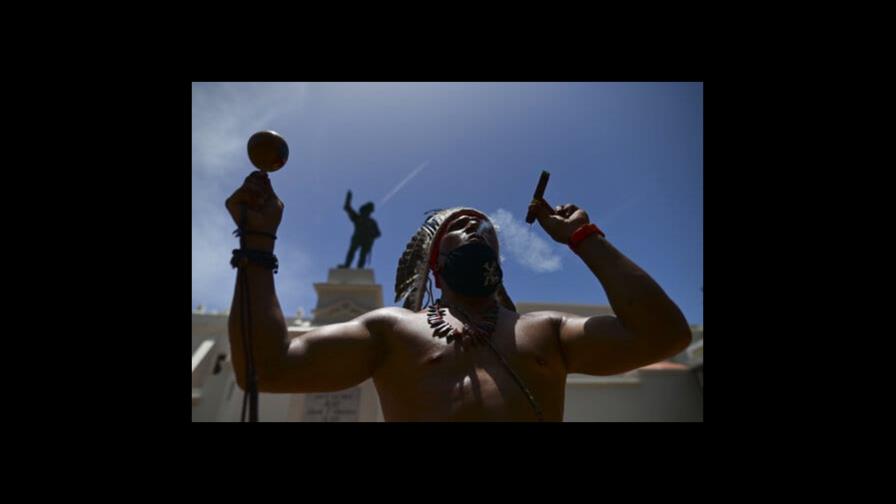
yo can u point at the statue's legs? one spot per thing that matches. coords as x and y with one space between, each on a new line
363 257
351 254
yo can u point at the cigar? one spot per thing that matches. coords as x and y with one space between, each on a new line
539 194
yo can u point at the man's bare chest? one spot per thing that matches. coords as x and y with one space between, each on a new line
440 376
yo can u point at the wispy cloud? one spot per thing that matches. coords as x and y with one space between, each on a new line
403 182
225 115
526 248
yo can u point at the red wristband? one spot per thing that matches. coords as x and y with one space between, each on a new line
582 233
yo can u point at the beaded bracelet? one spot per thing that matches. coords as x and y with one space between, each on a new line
583 232
242 257
241 232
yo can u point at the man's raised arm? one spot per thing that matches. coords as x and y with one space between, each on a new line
264 210
648 326
334 357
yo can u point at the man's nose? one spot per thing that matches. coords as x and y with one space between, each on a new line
472 225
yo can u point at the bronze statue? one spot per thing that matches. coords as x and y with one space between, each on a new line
366 231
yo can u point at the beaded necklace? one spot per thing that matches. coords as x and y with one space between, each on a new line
471 334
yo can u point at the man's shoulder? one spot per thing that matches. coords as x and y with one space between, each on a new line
389 314
382 321
394 311
543 316
546 320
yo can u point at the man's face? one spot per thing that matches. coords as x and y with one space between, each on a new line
467 229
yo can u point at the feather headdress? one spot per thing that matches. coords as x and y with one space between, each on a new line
415 263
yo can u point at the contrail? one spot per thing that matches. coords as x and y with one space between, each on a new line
403 182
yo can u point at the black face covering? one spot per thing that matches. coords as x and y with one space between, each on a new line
473 270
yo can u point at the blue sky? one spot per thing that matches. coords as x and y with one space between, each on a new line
631 154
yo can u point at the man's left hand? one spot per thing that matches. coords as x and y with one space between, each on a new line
561 221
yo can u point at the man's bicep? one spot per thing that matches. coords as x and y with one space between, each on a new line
600 345
333 357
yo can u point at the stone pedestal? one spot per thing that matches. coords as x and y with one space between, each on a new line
346 294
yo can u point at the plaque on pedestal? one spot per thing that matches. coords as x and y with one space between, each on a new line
342 406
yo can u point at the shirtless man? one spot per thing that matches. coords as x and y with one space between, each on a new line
508 367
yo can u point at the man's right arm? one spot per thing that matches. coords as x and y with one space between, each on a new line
334 357
256 202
